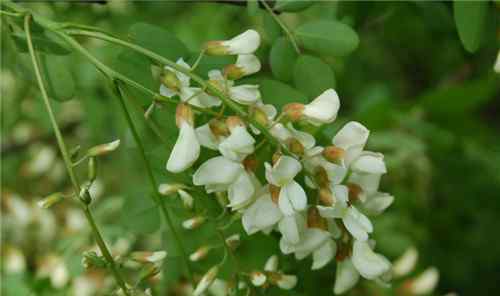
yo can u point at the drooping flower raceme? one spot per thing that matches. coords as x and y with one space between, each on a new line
318 198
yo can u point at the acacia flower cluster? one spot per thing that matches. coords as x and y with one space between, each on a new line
318 197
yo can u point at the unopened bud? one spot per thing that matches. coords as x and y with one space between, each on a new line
354 192
215 48
276 156
199 254
233 241
295 146
85 196
187 199
321 177
326 197
218 127
206 281
293 111
193 223
250 163
50 200
259 115
184 113
171 81
92 260
314 220
150 271
258 278
233 72
333 153
234 121
424 283
148 257
92 169
170 188
103 148
275 193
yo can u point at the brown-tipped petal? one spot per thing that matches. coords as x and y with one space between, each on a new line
294 111
215 48
184 113
314 220
354 191
333 153
259 115
275 193
326 197
233 72
295 146
250 163
218 127
234 121
171 81
321 177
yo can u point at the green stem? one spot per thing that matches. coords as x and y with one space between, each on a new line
67 160
283 26
152 180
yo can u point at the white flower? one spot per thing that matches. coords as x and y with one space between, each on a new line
323 109
271 263
245 43
227 171
367 170
288 134
291 227
375 204
207 138
496 68
352 139
368 263
181 87
246 64
406 263
262 215
311 241
286 281
238 144
258 278
292 197
187 148
246 94
355 222
206 281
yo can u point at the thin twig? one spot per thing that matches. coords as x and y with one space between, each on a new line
283 26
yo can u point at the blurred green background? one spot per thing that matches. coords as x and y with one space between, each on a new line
433 109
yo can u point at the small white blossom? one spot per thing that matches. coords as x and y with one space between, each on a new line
245 43
322 109
406 263
245 94
346 276
352 139
424 283
368 263
206 281
246 64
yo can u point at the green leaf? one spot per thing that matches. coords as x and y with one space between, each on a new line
312 76
252 8
158 40
282 58
279 94
292 5
46 43
140 214
271 27
327 37
58 78
470 17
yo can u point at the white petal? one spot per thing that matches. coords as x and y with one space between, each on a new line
240 192
368 263
406 263
369 163
280 132
184 79
287 282
284 170
332 212
352 138
426 282
324 108
341 193
248 63
206 138
346 277
368 182
271 263
238 145
311 240
245 43
260 215
226 171
270 110
377 203
324 254
336 173
357 224
292 198
166 92
246 94
290 228
186 150
496 68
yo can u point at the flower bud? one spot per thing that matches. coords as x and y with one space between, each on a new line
150 271
246 64
184 113
259 115
271 263
284 281
234 121
187 199
425 283
103 148
321 178
233 241
50 200
170 188
293 111
92 169
90 260
406 263
170 80
193 223
314 220
199 254
85 196
245 43
295 146
206 281
148 257
333 154
258 278
218 127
